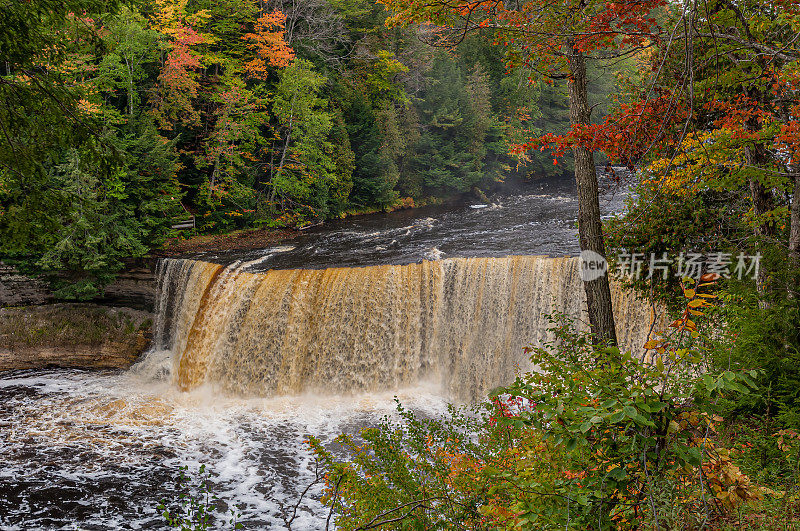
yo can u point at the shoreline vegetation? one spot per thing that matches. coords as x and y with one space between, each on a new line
262 237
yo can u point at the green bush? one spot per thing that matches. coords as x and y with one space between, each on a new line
196 504
594 439
767 339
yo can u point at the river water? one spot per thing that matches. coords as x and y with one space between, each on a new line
98 450
538 219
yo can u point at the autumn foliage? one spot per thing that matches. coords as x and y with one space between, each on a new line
594 439
268 44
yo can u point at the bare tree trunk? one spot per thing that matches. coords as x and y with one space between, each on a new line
590 230
756 157
794 232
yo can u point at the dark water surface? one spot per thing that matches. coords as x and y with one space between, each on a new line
99 450
537 219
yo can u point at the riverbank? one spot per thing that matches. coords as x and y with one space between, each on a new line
240 240
76 335
260 238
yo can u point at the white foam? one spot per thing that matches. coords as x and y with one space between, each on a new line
433 254
120 423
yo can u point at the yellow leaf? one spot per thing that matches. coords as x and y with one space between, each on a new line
689 293
696 303
653 343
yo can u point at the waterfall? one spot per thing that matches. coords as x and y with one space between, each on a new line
461 323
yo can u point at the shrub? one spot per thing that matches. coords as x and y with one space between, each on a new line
196 504
594 439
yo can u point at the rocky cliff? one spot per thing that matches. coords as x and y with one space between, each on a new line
72 335
110 332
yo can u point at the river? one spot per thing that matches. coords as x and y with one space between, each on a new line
98 450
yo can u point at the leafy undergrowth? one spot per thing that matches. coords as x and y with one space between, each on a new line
596 439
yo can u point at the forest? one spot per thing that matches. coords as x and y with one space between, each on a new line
701 431
121 119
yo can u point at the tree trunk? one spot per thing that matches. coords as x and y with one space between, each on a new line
794 232
756 158
598 291
285 148
793 168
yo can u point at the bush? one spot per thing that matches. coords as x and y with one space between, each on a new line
595 439
196 504
767 339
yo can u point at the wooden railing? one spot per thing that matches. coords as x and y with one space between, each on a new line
187 224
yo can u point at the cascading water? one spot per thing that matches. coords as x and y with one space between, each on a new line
461 323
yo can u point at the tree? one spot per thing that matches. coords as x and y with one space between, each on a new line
374 175
173 99
555 39
446 157
314 28
720 115
229 149
304 172
712 127
73 200
269 45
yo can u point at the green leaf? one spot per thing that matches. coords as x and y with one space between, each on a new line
630 411
616 417
608 404
618 473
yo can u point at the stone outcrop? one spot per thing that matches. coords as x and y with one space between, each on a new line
134 287
17 289
72 335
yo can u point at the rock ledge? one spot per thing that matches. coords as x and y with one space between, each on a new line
72 335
